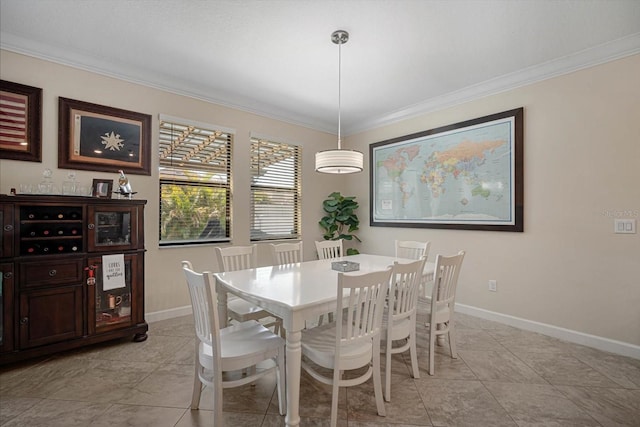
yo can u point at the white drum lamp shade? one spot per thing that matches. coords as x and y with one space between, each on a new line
339 161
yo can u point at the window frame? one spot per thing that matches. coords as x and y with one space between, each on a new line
295 190
178 174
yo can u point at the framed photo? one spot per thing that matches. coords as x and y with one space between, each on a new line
102 188
98 138
20 122
465 176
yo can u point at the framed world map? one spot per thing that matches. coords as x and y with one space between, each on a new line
462 176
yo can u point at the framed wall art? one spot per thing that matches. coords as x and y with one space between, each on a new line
466 176
20 122
99 138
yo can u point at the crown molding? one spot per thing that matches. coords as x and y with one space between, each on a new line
586 58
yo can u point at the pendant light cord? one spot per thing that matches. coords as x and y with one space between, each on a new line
339 91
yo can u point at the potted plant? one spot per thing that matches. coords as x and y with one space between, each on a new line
340 220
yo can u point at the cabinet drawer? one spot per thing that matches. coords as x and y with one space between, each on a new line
54 272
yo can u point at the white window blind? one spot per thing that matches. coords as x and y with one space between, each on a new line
195 182
275 190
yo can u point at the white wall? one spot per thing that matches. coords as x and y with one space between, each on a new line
581 168
165 287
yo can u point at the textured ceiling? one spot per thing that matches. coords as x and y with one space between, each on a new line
275 58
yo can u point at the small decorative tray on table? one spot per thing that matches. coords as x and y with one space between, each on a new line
345 266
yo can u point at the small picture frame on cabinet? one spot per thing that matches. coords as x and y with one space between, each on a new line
102 188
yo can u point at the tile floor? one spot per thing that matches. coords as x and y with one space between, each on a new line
503 377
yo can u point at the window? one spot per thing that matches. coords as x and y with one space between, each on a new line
275 190
195 182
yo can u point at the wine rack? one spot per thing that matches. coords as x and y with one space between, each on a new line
49 230
57 292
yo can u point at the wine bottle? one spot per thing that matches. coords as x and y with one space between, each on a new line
60 231
60 215
31 215
45 249
45 216
74 248
46 232
74 231
32 233
74 215
60 248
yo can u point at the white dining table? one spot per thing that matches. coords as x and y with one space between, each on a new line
295 293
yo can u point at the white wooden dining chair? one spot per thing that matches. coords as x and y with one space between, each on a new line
328 249
399 322
234 350
413 249
353 341
440 311
286 253
234 258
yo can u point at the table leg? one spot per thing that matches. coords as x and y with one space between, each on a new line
294 357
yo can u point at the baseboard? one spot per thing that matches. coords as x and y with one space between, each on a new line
168 314
600 343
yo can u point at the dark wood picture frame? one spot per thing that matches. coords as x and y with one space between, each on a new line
475 166
102 188
20 122
98 138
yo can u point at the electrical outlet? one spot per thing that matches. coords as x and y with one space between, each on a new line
493 285
624 226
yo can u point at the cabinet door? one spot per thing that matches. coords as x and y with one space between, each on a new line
50 315
115 307
112 228
7 282
7 232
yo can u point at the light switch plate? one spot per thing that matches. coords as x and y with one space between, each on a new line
624 226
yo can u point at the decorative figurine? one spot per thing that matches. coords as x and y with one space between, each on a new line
125 185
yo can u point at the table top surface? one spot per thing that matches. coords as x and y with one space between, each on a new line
302 284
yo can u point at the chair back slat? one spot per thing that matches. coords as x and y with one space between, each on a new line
234 258
329 249
286 253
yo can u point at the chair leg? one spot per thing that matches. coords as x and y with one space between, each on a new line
387 371
432 349
377 383
281 383
217 404
197 391
452 340
414 354
197 384
335 390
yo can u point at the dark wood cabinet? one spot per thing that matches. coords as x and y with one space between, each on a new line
72 273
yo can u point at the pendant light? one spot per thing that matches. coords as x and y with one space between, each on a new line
339 161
